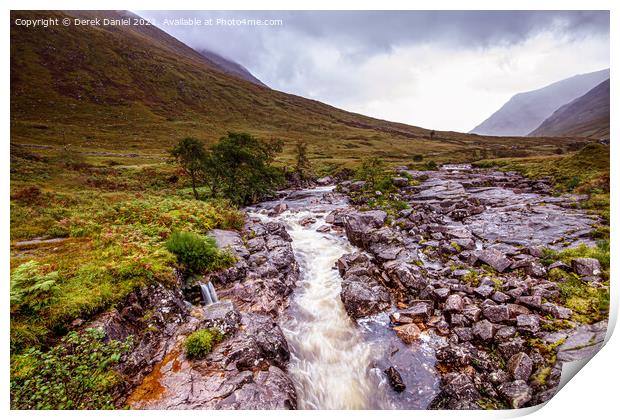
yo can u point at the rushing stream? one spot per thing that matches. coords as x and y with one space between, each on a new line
337 363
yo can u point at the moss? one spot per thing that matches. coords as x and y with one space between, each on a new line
456 246
200 343
472 278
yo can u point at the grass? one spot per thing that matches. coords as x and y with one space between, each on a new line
110 225
200 343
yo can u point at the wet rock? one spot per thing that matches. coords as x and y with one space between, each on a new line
520 366
358 225
363 296
270 390
505 333
278 209
494 258
357 185
407 275
400 182
496 313
323 229
483 330
336 217
221 315
500 297
326 180
420 311
464 333
511 347
586 266
454 303
528 323
409 333
460 387
560 265
484 290
533 302
395 380
472 312
261 342
516 393
307 221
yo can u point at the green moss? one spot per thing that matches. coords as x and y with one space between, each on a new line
472 278
200 343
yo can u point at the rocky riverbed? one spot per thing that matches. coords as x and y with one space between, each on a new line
332 304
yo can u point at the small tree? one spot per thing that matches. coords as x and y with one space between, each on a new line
190 154
303 167
371 170
240 167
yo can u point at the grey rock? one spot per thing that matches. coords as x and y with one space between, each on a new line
520 366
496 313
586 266
529 323
516 393
494 258
454 303
483 330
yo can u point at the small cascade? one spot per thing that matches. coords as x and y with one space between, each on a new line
209 295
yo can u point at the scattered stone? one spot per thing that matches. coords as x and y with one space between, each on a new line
483 330
484 291
529 323
409 333
395 380
500 297
400 181
494 258
520 366
516 393
496 313
454 303
586 266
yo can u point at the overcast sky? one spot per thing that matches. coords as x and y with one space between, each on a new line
442 70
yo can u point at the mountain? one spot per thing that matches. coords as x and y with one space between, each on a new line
117 88
586 116
525 111
230 67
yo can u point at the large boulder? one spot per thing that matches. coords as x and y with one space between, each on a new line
363 296
494 258
586 266
358 225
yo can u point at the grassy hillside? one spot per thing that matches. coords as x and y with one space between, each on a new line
137 91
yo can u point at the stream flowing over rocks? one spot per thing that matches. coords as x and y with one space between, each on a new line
332 305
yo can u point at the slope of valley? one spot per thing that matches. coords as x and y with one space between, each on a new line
586 116
525 111
138 89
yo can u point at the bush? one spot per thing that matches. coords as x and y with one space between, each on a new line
431 165
76 374
198 254
201 342
418 158
31 289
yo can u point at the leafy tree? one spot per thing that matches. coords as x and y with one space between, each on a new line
303 167
190 154
75 374
371 170
240 167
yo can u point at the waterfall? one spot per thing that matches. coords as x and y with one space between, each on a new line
209 295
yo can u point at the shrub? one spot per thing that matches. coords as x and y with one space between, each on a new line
201 342
431 165
418 158
30 288
198 254
75 374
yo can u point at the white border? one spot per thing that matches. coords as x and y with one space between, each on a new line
591 395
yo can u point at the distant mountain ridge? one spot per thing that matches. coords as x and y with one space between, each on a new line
524 112
586 116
